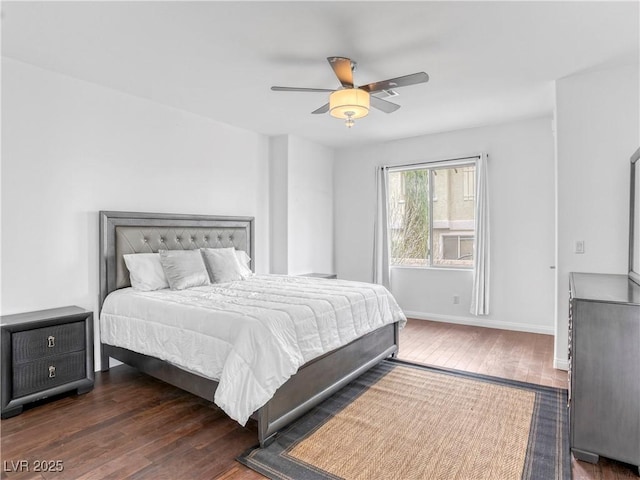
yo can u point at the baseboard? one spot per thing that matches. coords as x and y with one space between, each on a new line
481 322
561 364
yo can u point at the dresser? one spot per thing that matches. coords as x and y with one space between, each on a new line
45 353
604 359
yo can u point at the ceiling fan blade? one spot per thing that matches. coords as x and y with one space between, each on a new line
385 106
323 109
404 81
300 89
343 69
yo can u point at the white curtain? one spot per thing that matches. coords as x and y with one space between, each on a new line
381 231
480 293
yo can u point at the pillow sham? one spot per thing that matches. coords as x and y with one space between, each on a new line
245 262
223 264
145 271
184 268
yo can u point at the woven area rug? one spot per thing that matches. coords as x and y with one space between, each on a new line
404 421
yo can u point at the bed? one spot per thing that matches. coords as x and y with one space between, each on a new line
123 233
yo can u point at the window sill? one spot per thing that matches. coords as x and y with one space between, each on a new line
441 268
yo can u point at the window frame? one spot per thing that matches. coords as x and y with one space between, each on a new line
431 166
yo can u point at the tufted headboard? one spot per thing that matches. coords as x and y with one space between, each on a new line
122 233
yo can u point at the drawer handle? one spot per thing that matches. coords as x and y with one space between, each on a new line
52 371
51 341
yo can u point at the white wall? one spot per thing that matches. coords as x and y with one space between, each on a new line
71 148
310 207
278 203
301 179
521 170
598 128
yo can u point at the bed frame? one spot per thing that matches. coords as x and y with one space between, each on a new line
129 232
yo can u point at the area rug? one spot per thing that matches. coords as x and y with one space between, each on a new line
405 421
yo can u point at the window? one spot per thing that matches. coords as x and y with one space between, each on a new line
425 232
457 247
469 183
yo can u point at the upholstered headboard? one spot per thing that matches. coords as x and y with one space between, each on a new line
122 233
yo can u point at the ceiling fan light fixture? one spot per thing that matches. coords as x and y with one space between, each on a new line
349 104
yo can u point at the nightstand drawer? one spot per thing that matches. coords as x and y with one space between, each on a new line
38 343
48 372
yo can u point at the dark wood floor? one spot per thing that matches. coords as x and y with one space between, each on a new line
131 426
526 357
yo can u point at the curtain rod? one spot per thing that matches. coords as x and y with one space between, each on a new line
419 164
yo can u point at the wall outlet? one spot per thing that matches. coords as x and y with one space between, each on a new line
580 246
456 299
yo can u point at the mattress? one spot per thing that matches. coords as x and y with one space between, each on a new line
250 335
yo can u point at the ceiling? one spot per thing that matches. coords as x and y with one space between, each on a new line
488 62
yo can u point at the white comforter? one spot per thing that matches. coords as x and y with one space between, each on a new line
250 335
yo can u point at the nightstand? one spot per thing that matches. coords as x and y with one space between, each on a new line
320 275
45 353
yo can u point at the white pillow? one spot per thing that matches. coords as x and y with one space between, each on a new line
223 264
145 271
184 268
245 262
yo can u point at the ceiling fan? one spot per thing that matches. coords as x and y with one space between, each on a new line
350 102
